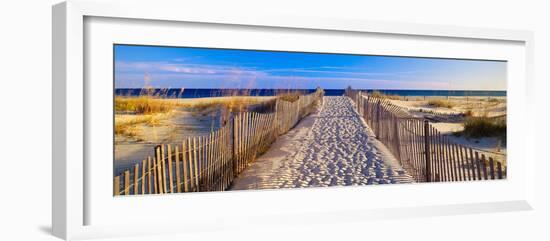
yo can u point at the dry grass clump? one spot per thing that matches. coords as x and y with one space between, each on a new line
378 94
143 105
128 124
441 103
468 113
232 103
290 97
477 127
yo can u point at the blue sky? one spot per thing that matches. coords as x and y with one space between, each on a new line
175 67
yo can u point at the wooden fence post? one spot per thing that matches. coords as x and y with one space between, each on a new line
427 150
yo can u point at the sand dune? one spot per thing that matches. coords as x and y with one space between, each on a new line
333 147
478 106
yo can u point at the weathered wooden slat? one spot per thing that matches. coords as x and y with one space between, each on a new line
492 167
478 165
200 163
170 170
185 166
225 145
413 138
484 168
451 165
246 139
428 164
440 158
206 166
239 138
126 182
463 166
211 163
152 184
422 159
158 163
244 127
445 160
473 164
116 186
413 146
499 170
460 163
221 145
216 154
177 166
136 178
143 175
195 164
163 168
437 155
235 137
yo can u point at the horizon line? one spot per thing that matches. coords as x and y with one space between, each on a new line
303 89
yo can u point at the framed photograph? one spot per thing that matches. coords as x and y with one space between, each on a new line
177 118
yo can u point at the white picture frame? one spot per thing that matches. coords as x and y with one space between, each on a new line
71 189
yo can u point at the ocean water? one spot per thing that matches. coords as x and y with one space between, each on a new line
201 93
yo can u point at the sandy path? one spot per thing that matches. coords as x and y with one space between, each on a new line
331 148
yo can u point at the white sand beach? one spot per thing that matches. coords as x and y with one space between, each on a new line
332 147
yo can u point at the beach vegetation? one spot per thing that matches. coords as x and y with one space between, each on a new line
378 94
145 105
289 96
441 103
468 113
127 125
477 127
142 105
130 112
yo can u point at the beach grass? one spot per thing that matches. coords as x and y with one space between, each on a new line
130 112
231 102
441 103
143 105
469 113
378 94
289 96
127 124
477 127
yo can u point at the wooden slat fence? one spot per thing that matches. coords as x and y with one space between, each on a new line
210 163
422 150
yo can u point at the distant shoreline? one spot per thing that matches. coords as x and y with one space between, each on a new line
201 93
